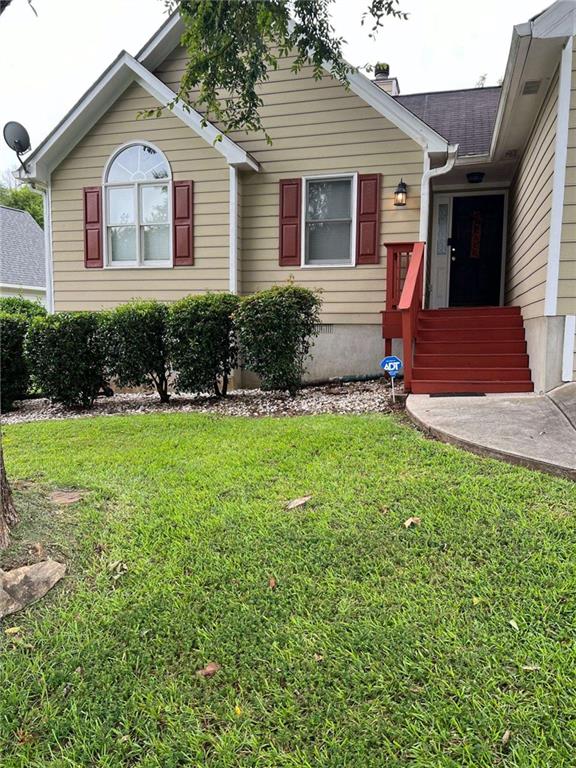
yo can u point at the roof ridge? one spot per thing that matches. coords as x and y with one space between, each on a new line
449 90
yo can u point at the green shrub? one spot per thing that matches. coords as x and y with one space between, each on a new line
13 369
65 353
275 329
16 305
204 347
137 345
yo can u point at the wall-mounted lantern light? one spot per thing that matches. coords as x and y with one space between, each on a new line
400 193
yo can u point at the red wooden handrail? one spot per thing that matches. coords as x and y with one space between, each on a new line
410 305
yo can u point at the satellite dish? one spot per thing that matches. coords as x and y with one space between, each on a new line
16 136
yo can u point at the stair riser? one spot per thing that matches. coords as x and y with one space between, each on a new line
475 322
468 347
471 374
471 334
466 312
447 387
472 361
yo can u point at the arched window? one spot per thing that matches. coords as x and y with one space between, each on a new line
138 208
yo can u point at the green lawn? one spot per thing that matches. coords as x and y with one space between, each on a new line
420 664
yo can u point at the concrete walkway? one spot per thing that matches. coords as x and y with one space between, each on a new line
537 431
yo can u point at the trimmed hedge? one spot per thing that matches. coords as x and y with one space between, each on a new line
204 346
66 356
276 328
16 305
137 345
13 369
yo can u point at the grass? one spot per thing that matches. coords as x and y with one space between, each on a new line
380 646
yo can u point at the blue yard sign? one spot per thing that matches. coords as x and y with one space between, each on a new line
391 365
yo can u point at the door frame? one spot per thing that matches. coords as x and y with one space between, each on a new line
439 276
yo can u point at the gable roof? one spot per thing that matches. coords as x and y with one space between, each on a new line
21 249
163 42
123 71
466 117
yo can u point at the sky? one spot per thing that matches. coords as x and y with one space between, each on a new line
48 61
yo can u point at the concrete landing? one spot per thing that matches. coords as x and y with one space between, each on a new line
536 431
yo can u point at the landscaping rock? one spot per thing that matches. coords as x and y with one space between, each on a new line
25 585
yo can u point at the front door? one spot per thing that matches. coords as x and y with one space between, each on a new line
475 249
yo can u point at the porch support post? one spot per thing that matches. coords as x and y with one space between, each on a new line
233 230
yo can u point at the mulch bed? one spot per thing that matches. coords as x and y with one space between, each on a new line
350 397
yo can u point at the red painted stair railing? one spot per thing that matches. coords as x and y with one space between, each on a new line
409 306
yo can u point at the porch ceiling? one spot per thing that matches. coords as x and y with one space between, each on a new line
495 174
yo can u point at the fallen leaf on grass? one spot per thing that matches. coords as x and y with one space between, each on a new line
23 737
38 550
10 631
514 625
272 583
476 600
411 521
237 710
531 668
506 737
209 670
298 502
66 497
318 658
117 569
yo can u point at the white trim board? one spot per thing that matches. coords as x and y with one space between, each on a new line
233 231
168 37
124 71
568 348
559 180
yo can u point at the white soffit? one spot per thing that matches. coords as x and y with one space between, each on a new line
168 37
123 71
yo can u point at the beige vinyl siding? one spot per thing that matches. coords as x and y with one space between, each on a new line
318 127
567 267
530 207
190 157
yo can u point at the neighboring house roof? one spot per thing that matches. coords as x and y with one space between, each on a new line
21 249
464 117
123 71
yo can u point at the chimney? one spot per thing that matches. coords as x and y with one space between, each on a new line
383 80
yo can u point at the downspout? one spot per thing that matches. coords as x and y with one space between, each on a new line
47 210
233 231
430 173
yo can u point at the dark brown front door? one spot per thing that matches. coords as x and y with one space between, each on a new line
476 250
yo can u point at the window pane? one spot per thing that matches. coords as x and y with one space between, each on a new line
121 205
138 163
122 242
328 242
154 205
329 199
156 243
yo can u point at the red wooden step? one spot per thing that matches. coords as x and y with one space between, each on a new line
427 387
466 311
471 374
469 359
471 334
470 347
427 322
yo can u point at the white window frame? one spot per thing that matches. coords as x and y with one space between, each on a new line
136 186
353 203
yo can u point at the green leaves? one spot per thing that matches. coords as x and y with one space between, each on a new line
276 328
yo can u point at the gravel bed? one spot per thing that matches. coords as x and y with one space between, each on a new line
349 397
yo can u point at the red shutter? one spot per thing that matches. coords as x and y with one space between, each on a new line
290 212
368 219
183 213
93 258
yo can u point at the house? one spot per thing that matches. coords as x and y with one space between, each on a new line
443 223
22 257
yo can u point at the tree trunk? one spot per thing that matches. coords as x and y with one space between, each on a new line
8 516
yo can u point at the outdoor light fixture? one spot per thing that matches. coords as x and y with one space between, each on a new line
475 177
16 136
400 193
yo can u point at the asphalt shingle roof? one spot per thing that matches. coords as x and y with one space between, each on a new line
21 249
464 117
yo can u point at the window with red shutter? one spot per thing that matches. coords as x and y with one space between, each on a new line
368 219
290 215
93 257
